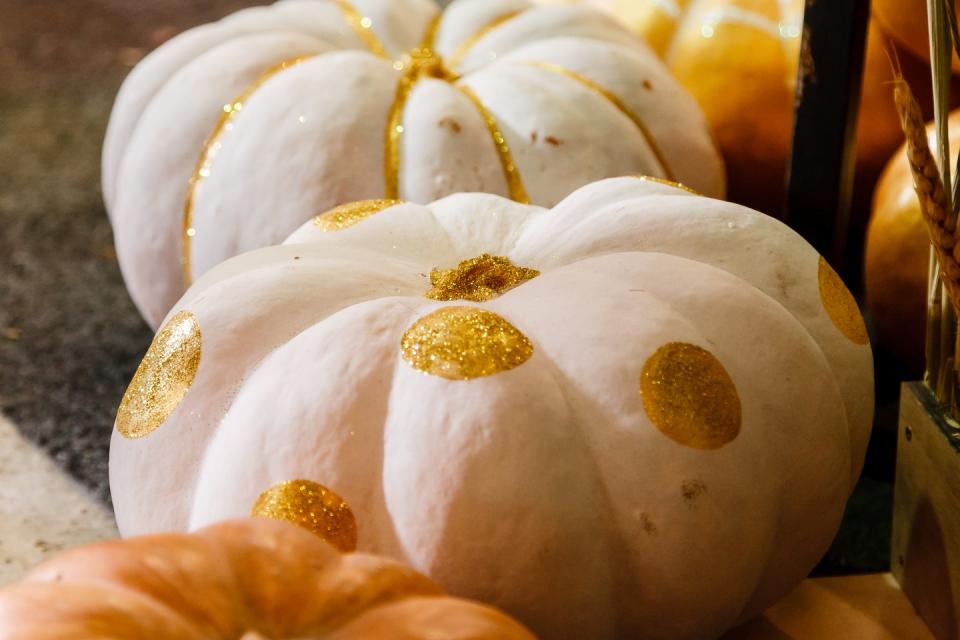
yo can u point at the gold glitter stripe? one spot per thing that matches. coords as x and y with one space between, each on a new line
464 48
363 26
430 36
518 193
391 154
614 100
412 72
210 147
347 215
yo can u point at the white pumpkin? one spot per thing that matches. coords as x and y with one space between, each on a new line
307 104
638 415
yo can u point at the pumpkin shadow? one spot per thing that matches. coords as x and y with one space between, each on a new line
926 573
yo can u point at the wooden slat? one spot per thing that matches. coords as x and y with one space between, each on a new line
859 607
823 158
926 512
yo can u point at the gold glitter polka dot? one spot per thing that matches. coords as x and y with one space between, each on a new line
313 507
689 396
350 214
462 343
163 378
669 183
478 279
840 305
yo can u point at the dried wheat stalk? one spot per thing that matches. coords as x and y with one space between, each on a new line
929 187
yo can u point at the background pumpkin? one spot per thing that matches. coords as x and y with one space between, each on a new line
328 102
249 579
754 45
497 393
906 22
897 260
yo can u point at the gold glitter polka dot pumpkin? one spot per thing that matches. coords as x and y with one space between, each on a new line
638 414
231 135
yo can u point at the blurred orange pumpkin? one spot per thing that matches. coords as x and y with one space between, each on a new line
897 255
739 58
906 22
249 579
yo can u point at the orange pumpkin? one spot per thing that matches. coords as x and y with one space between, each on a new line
897 256
906 22
248 580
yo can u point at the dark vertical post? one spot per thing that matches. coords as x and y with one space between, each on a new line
823 159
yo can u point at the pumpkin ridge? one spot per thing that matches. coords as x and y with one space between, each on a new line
518 192
208 153
617 541
234 107
616 102
136 604
114 579
465 47
361 25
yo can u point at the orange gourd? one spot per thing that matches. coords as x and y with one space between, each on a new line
248 580
738 58
906 22
897 255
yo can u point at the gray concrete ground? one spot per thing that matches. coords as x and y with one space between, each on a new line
69 336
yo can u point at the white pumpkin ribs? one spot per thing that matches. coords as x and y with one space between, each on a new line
421 62
210 147
619 104
425 62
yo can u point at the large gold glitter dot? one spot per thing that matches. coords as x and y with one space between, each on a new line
350 214
462 343
478 279
163 378
840 305
689 396
313 507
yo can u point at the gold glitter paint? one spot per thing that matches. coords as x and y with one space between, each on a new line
669 183
463 343
840 305
620 105
350 214
467 45
430 36
363 27
518 193
689 396
391 155
162 379
417 64
478 279
313 507
210 148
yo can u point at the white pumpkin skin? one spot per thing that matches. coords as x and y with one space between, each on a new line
545 489
314 135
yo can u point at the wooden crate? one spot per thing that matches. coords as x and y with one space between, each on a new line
926 517
850 608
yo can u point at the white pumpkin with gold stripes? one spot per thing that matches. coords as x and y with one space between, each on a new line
636 415
232 134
